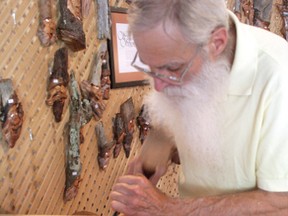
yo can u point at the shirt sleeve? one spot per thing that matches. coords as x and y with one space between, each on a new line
272 155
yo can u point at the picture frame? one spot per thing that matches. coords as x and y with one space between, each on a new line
121 52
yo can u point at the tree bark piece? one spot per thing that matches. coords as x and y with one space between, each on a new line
70 26
104 148
78 119
105 76
11 113
128 115
283 10
91 88
118 134
262 13
46 31
103 25
244 10
58 82
142 123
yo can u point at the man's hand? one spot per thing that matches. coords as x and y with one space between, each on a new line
136 167
155 156
137 196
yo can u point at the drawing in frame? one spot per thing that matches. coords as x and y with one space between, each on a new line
122 50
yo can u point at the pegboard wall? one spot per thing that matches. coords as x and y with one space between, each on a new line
32 174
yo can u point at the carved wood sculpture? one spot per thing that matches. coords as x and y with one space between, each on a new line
91 89
105 76
103 23
244 10
73 163
262 13
104 147
283 10
83 106
254 12
94 95
128 115
118 134
142 123
58 82
87 111
47 28
11 113
78 118
70 26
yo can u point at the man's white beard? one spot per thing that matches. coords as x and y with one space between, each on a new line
192 114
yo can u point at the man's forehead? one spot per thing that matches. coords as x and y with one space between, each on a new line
153 45
159 37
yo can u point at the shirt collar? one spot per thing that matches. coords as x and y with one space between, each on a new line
244 67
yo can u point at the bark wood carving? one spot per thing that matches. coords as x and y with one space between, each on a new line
70 25
283 10
128 115
11 113
47 28
58 82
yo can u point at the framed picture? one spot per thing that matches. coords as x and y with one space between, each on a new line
122 51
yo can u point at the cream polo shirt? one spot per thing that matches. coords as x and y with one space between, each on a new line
255 148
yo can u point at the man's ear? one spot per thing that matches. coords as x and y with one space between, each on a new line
218 41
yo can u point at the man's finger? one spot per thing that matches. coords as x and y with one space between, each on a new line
134 167
159 172
133 179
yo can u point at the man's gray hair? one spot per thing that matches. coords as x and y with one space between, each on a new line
196 19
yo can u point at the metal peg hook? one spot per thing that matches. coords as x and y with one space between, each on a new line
30 134
13 14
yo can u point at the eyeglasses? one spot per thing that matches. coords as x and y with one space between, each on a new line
175 78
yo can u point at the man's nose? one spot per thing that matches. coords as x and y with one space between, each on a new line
159 84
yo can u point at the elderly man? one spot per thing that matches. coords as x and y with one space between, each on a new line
221 99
